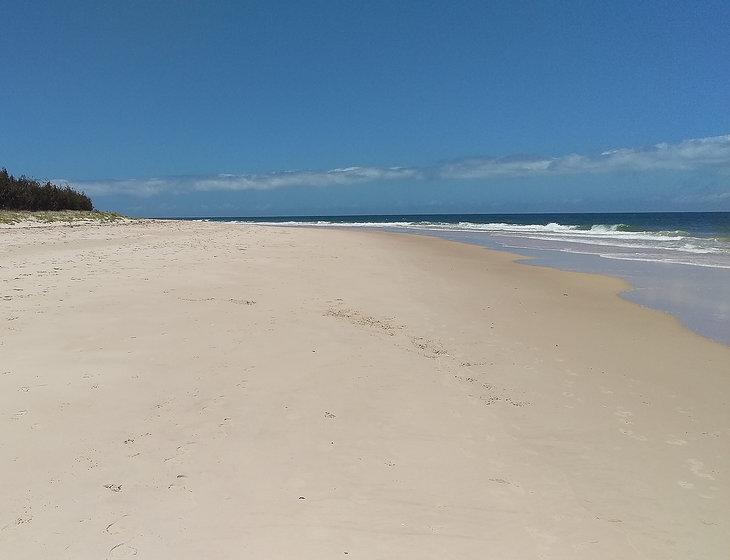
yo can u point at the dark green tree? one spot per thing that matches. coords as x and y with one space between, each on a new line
23 193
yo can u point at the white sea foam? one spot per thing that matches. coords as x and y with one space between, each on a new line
611 241
667 260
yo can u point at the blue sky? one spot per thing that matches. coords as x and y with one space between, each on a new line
189 108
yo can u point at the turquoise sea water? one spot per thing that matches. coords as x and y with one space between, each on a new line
678 262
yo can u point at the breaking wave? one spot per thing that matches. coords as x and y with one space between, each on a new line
613 241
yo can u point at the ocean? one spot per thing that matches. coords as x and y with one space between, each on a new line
678 262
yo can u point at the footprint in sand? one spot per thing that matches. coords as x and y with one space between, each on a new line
697 467
179 484
122 550
633 435
624 415
117 526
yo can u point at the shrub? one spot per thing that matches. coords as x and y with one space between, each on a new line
28 194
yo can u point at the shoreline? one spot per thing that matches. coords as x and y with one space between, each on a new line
640 280
195 389
681 296
621 290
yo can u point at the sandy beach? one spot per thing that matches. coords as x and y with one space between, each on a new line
194 390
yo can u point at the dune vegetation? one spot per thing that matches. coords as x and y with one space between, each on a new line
23 193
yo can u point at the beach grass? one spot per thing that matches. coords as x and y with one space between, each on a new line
20 216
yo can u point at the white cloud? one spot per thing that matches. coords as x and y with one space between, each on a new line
230 182
344 176
689 155
684 156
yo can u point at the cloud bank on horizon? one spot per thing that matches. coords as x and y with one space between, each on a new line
689 155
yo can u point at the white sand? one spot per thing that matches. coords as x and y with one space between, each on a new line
192 390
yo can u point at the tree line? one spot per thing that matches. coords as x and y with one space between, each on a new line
23 193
